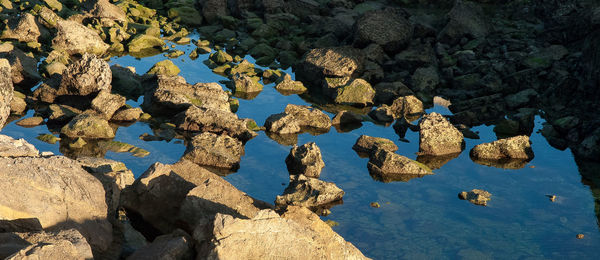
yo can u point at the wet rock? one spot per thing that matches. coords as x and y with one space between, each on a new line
10 147
171 95
220 57
107 104
387 92
89 75
476 196
177 245
309 192
218 151
287 85
58 192
143 43
22 28
30 121
88 126
346 117
23 68
333 62
388 165
544 58
305 160
6 91
437 136
387 28
298 230
165 67
465 19
63 244
517 147
295 118
246 84
370 145
215 121
127 114
357 92
74 38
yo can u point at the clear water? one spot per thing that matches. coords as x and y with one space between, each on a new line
421 218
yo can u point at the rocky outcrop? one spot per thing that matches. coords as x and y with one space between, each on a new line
370 145
22 28
477 197
63 244
88 126
198 119
305 160
296 118
437 136
87 76
74 38
6 91
10 147
333 62
218 151
58 192
309 192
387 28
388 166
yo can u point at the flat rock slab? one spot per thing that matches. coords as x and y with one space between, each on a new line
391 166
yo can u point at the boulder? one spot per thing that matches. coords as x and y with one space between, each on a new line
127 114
335 62
87 76
425 79
88 126
6 91
309 192
198 119
165 67
107 104
177 245
24 72
246 84
466 19
10 147
517 147
305 160
383 114
58 192
74 38
385 27
390 166
126 82
295 118
144 42
289 86
345 117
105 11
408 107
356 92
22 28
213 9
299 231
437 136
63 244
370 145
476 196
218 151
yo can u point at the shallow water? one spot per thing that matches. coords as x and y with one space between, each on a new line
421 218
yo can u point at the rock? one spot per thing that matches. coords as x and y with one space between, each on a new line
386 27
18 105
218 151
246 84
10 147
23 68
408 107
171 95
184 193
63 244
58 192
425 79
213 9
544 58
220 57
61 113
475 196
107 104
521 98
357 92
289 86
305 160
87 76
415 56
335 62
346 117
177 245
165 67
127 114
383 114
144 42
388 165
309 192
22 28
437 136
74 38
126 82
387 92
105 11
88 126
6 91
215 121
370 145
465 19
20 225
298 230
295 118
30 121
517 147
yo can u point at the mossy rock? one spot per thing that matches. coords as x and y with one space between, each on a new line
175 54
88 126
165 67
220 57
357 93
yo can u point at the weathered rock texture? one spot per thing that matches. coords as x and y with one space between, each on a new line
219 151
10 147
309 192
477 197
6 91
89 75
370 145
390 166
295 118
517 147
198 119
329 62
387 28
438 136
306 160
74 38
63 244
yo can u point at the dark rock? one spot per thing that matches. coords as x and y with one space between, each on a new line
329 62
465 19
177 245
387 92
23 68
346 117
387 28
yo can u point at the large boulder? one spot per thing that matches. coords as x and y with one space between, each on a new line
309 192
58 192
356 92
22 28
106 104
387 165
299 233
74 38
335 62
24 72
105 11
517 147
296 118
306 160
466 19
10 147
218 151
6 91
87 76
88 126
198 119
63 244
437 136
385 27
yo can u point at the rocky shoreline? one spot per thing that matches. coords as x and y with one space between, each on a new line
377 61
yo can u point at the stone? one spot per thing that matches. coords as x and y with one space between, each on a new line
24 72
437 136
345 117
10 147
6 91
425 79
18 105
213 9
389 165
386 27
246 84
305 160
198 119
309 192
370 145
177 245
218 151
407 107
295 118
302 233
107 104
165 67
521 98
22 28
287 85
61 113
335 62
88 126
187 15
387 92
357 92
63 244
127 114
144 42
87 76
476 196
74 38
517 147
58 192
465 19
105 11
126 82
30 121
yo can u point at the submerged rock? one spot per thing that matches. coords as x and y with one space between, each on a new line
89 75
389 165
305 160
370 145
295 118
198 119
10 147
6 91
88 126
477 197
74 38
309 192
437 136
219 151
